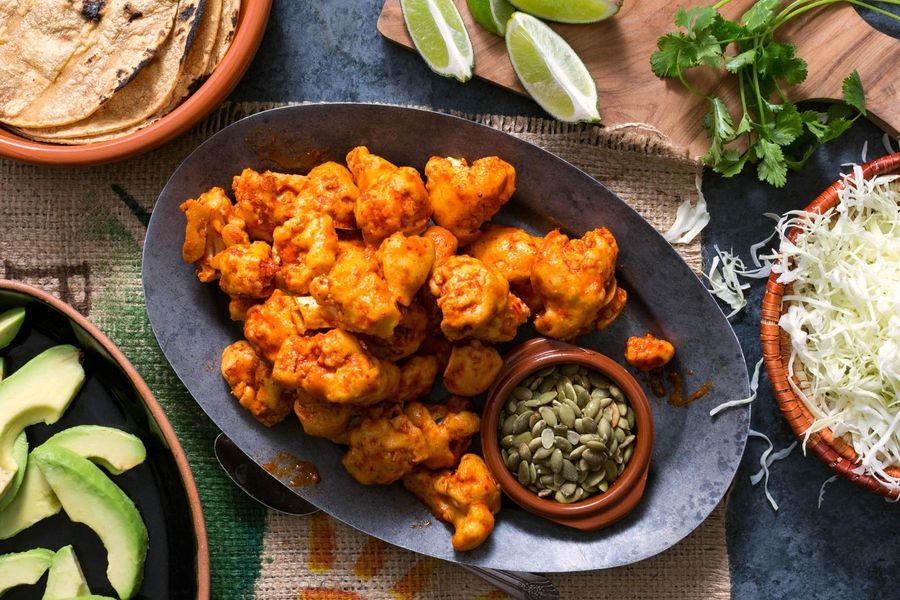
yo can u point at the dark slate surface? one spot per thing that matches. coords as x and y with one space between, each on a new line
849 548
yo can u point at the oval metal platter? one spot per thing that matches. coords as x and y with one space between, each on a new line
695 457
162 487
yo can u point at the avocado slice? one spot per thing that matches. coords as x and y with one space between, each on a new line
88 496
23 568
34 502
10 324
113 449
39 391
65 579
20 455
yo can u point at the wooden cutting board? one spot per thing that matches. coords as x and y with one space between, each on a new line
834 41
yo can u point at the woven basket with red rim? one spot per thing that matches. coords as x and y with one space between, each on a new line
776 347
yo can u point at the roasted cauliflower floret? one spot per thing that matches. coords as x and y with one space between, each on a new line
238 306
306 246
367 168
327 189
406 339
406 263
246 270
648 353
472 368
250 380
573 280
510 250
384 446
612 309
464 197
448 428
356 293
268 324
333 366
417 375
324 419
259 204
445 243
475 301
468 498
212 226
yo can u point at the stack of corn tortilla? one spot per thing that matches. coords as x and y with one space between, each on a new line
83 71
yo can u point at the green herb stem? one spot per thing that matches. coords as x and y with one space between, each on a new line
805 6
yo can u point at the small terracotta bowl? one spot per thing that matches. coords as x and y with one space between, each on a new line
249 32
623 495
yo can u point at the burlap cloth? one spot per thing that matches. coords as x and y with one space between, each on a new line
78 233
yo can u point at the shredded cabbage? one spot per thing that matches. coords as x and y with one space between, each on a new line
689 219
886 140
765 461
865 151
754 386
724 284
831 479
844 318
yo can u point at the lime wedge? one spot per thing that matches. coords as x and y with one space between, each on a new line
440 36
550 70
492 14
570 11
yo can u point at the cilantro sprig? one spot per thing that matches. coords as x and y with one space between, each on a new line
772 133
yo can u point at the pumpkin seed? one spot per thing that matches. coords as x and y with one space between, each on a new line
630 420
525 436
616 393
562 443
576 453
536 384
594 479
620 468
521 423
549 416
534 444
524 473
591 408
626 456
620 435
590 425
588 437
623 409
583 464
556 461
561 498
521 409
606 402
506 441
612 473
547 438
581 396
599 393
538 428
534 418
545 371
547 385
524 451
545 493
598 381
604 429
579 425
603 486
509 424
567 415
571 404
541 453
569 471
568 489
613 446
594 445
572 437
513 460
614 415
533 471
560 430
511 406
569 391
626 442
522 393
546 397
593 458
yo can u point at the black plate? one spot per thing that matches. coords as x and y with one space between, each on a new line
695 457
157 487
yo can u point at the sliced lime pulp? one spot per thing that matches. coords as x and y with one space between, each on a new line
492 14
570 11
550 70
440 36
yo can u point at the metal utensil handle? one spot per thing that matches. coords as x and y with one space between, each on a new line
518 585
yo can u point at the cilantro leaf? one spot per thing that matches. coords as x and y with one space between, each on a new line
788 125
695 19
677 52
778 61
772 167
718 121
853 92
760 15
731 163
733 63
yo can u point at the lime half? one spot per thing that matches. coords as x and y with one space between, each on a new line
550 70
492 14
440 36
570 11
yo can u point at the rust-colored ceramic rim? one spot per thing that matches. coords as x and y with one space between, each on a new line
597 511
155 409
776 346
249 32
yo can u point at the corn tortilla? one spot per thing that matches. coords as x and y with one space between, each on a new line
127 35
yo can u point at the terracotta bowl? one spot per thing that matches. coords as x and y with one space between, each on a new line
249 32
776 346
623 495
